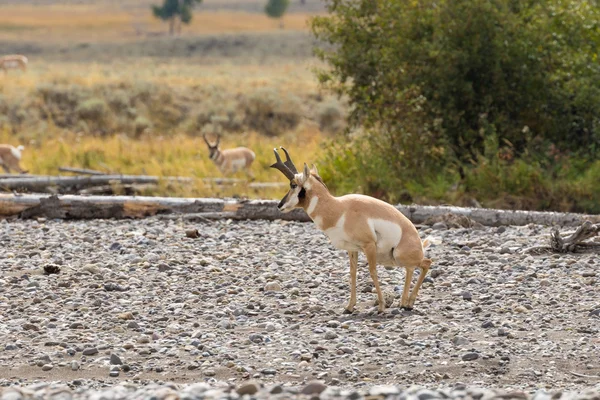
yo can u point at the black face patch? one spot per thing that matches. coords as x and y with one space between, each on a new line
302 193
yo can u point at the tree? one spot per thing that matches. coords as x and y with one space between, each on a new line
449 72
276 9
438 88
175 12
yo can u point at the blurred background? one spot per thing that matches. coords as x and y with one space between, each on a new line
479 103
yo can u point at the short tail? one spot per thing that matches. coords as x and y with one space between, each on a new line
429 240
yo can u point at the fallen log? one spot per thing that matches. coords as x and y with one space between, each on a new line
23 176
82 171
88 207
117 189
73 183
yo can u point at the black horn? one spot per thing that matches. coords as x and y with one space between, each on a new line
288 162
281 166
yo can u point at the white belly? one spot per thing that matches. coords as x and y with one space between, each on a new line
387 235
238 164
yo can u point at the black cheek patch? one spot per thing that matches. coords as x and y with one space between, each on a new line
302 193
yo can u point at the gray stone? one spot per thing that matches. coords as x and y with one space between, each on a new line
313 388
249 387
470 356
115 359
90 351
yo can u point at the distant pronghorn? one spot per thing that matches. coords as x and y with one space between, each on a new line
230 161
10 157
13 61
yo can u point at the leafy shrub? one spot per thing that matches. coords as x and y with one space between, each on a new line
141 125
270 113
94 110
330 116
428 91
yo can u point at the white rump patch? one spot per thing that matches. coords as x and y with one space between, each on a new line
16 152
388 235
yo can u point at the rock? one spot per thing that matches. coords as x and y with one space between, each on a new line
276 389
329 334
90 351
114 373
466 295
272 287
115 359
74 365
11 394
225 324
47 367
384 391
460 341
209 372
313 388
249 388
126 316
470 356
487 324
439 226
269 371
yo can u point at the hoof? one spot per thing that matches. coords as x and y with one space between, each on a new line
346 311
407 308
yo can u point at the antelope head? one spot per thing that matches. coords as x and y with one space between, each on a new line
296 197
213 150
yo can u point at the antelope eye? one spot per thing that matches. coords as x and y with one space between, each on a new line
293 185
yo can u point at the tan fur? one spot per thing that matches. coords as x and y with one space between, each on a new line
357 211
13 61
230 161
8 161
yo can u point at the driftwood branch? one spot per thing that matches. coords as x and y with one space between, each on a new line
575 242
67 184
86 207
83 171
242 182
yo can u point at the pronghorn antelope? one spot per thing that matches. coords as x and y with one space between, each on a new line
231 160
13 61
10 157
358 223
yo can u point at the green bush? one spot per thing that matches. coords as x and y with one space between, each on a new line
94 110
430 83
271 113
331 118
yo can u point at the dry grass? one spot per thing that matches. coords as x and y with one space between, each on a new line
294 78
179 155
230 52
100 23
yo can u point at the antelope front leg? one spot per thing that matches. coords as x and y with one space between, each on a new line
353 268
404 302
424 267
371 253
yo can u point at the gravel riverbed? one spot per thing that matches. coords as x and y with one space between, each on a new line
139 308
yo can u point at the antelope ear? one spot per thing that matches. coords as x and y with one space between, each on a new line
314 170
306 172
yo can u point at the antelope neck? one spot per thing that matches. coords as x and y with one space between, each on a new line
320 201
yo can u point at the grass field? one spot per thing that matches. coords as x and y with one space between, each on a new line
106 89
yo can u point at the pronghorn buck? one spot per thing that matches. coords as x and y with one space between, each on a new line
13 61
358 223
230 161
10 157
